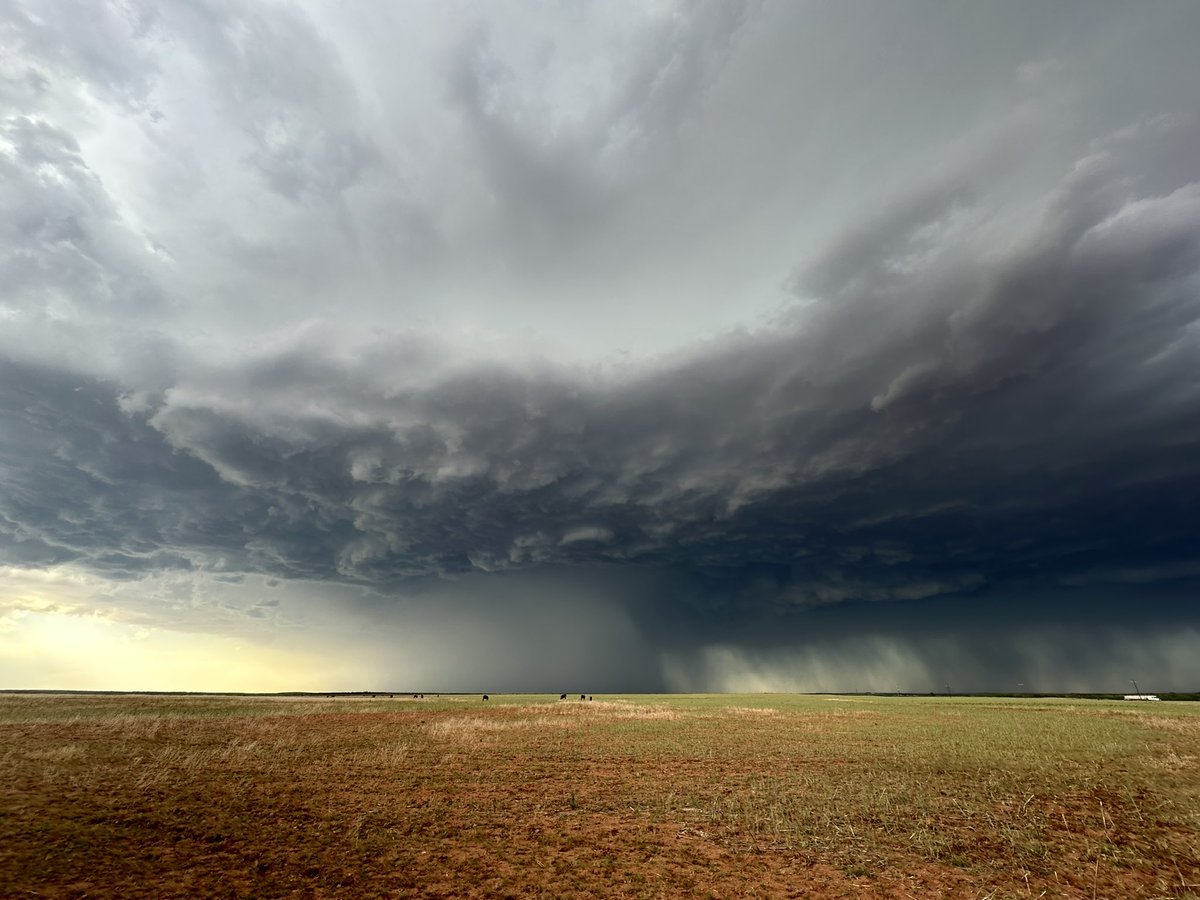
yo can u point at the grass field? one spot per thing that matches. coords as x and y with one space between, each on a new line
757 795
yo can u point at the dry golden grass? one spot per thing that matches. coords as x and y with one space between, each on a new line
752 711
646 796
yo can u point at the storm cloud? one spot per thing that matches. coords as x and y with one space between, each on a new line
288 338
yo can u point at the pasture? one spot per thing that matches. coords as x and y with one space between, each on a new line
639 796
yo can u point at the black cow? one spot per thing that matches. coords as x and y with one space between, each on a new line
486 697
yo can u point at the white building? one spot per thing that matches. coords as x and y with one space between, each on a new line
1142 697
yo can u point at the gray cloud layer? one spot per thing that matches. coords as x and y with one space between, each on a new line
940 412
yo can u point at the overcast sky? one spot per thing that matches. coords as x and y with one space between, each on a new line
600 346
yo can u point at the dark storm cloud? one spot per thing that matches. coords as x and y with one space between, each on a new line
85 480
946 409
441 317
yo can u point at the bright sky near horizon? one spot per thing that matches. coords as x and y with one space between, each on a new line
599 346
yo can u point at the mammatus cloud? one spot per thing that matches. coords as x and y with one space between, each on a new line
280 305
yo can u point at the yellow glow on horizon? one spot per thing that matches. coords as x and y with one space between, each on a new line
50 650
63 628
60 589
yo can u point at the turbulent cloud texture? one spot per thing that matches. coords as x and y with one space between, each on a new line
618 319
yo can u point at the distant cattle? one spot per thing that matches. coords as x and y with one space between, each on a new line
562 696
582 696
486 697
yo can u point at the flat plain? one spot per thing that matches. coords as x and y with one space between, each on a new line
637 796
